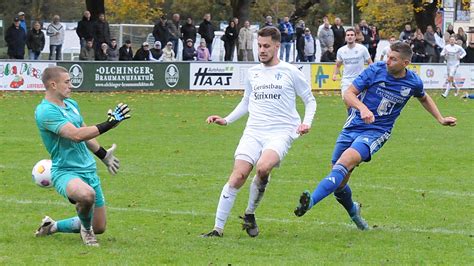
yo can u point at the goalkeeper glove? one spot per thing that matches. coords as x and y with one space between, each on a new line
120 113
108 158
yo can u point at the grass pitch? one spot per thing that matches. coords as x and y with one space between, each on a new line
417 192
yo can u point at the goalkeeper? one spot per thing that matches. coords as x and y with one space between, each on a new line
68 141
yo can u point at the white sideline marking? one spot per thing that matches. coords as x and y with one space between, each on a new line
285 221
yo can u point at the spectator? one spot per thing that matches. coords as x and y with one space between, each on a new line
386 50
168 53
85 28
307 46
161 32
126 52
113 51
364 28
143 54
189 52
229 38
188 30
56 33
374 41
419 49
329 55
202 53
206 30
431 46
469 58
461 35
236 46
87 52
101 54
174 29
15 37
407 35
339 34
21 16
268 21
101 31
326 37
35 41
448 33
246 42
325 20
440 43
156 51
359 37
437 31
287 32
299 32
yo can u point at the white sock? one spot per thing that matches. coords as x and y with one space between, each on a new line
53 228
257 189
446 92
226 202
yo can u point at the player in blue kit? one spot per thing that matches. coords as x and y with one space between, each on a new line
69 142
376 99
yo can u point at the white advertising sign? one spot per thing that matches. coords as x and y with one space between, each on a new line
22 75
434 76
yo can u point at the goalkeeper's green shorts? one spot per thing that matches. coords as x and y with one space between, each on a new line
61 179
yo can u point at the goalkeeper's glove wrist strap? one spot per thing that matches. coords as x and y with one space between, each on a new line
106 126
101 153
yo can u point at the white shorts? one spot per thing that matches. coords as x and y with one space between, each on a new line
251 147
345 83
452 70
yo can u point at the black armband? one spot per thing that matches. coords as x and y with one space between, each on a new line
101 153
106 126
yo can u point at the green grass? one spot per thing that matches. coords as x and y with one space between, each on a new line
416 192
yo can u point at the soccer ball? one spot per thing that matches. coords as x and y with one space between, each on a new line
41 173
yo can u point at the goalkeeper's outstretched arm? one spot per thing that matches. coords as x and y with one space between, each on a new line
120 113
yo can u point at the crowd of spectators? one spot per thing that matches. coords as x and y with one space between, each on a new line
97 43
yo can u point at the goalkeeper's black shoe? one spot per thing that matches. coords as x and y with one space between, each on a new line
305 204
213 233
250 225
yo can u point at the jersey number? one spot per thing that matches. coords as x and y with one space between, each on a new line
385 107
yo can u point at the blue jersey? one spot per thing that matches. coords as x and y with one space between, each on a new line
67 155
384 95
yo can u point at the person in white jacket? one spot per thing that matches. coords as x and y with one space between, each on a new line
453 54
56 33
273 124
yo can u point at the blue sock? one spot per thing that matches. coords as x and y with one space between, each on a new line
86 220
344 197
71 225
329 184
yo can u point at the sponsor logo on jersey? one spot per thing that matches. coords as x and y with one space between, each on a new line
405 91
278 76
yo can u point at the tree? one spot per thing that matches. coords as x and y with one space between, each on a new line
96 7
425 12
122 11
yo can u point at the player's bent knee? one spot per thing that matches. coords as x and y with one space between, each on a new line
99 229
86 196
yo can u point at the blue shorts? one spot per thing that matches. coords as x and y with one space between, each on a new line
373 139
61 180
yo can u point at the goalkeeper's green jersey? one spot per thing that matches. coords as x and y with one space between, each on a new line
66 154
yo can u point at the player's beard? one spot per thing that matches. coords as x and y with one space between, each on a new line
269 58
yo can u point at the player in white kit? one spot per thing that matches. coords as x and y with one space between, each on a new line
353 56
273 124
452 53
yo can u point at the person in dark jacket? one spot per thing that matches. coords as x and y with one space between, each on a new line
85 28
15 37
156 51
101 32
329 55
101 54
206 30
87 52
339 34
35 41
374 41
188 30
307 46
161 32
126 52
229 38
189 52
469 58
143 54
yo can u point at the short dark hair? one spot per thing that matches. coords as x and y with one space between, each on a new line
270 31
351 29
52 73
403 48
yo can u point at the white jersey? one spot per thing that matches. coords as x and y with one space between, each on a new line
453 54
385 53
270 99
353 60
